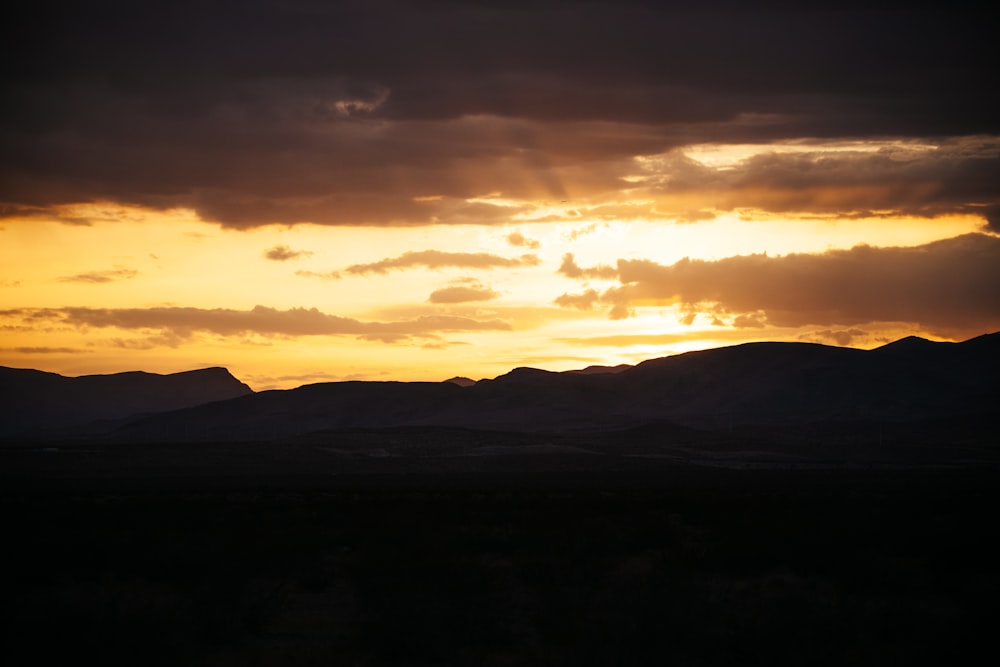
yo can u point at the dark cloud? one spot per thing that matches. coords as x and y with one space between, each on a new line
282 253
174 324
437 259
32 212
949 176
948 287
110 275
45 350
573 60
992 215
293 111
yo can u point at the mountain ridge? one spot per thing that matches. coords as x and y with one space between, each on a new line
772 383
39 402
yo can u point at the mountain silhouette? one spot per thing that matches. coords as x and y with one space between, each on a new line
36 402
751 384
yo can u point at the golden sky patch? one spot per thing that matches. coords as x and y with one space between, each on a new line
129 257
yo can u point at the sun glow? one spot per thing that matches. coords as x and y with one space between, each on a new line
727 156
507 278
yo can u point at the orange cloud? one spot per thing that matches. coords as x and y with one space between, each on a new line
436 259
946 286
322 275
282 253
98 277
585 301
181 322
462 294
570 269
625 340
520 240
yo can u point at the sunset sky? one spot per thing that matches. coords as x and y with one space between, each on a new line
307 191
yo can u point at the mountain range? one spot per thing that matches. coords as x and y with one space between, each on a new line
39 403
755 384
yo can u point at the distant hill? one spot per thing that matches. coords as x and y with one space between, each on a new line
461 381
757 383
598 370
36 402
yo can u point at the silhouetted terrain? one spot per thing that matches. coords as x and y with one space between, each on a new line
776 405
35 402
753 384
756 403
772 504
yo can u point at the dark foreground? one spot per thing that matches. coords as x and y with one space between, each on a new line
644 565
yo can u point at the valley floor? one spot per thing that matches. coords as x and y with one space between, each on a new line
636 565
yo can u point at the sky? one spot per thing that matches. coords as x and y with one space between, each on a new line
307 191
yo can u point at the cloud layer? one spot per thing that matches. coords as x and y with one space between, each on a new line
949 287
98 277
462 294
181 322
438 259
282 253
293 111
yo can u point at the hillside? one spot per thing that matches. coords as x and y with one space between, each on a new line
36 402
751 384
